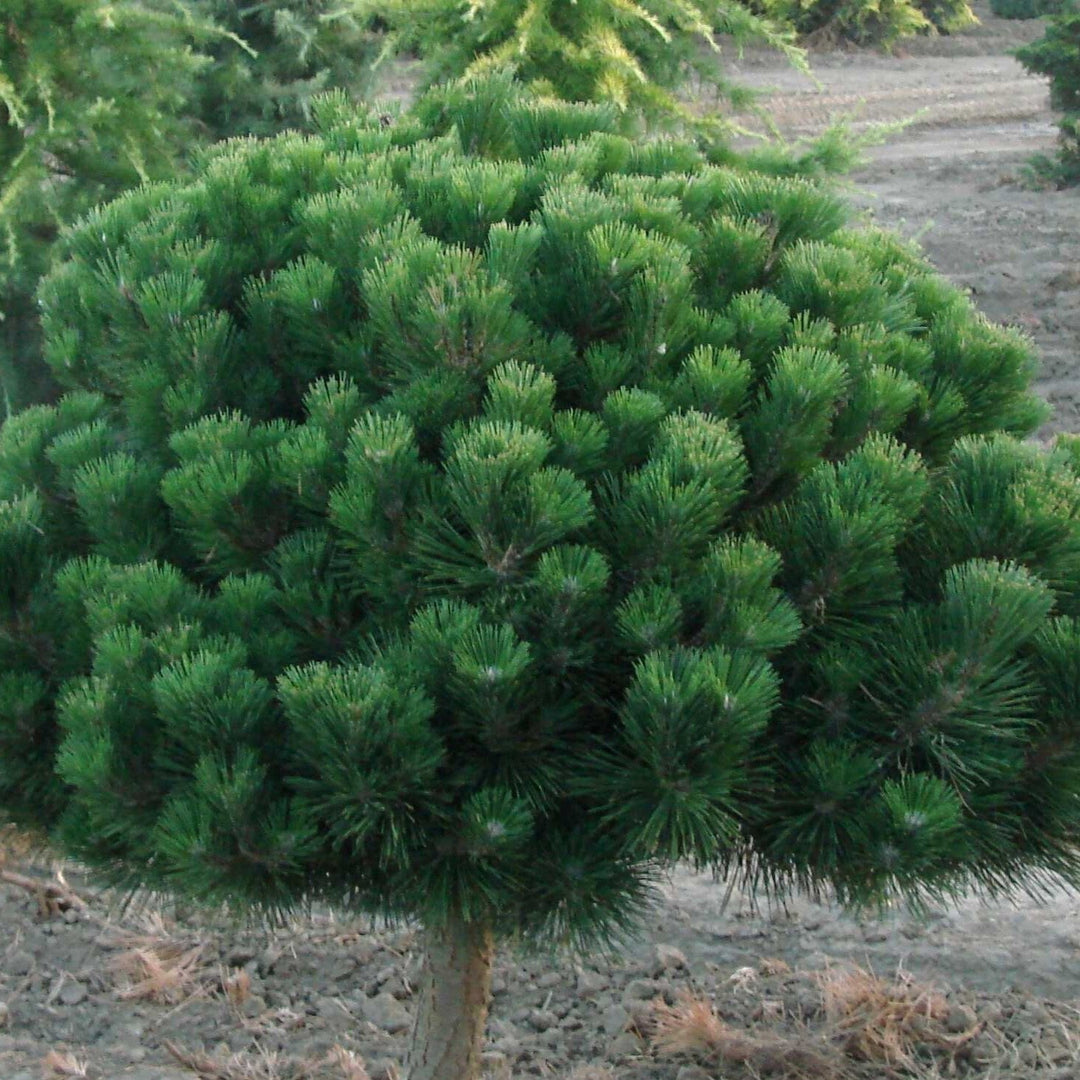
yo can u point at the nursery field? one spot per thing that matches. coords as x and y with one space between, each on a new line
89 988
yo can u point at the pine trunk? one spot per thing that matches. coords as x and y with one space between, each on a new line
448 1035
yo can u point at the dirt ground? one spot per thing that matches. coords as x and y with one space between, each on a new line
103 993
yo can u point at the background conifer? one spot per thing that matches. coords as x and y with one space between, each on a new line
282 54
634 54
92 96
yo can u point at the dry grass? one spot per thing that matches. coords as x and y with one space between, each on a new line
57 1064
166 968
889 1021
237 986
262 1064
692 1028
870 1026
163 972
21 848
18 845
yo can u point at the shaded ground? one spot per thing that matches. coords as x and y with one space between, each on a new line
104 994
107 994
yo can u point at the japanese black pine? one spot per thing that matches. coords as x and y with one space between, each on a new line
468 517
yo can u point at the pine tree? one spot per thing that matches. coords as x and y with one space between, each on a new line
465 518
91 96
634 54
869 22
1057 54
282 54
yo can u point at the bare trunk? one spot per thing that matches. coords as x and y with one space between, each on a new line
448 1035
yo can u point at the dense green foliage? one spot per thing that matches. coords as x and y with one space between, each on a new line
1017 9
283 54
98 96
473 514
869 22
80 120
1027 9
1057 54
634 54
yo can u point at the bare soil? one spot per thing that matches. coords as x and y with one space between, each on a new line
137 993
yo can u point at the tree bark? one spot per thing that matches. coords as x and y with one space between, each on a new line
455 986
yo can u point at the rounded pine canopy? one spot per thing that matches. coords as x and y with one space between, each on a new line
477 512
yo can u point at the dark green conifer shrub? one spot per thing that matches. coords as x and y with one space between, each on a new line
1057 54
1017 9
466 518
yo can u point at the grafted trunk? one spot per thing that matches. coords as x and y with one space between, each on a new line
455 985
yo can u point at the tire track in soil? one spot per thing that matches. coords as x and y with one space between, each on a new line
983 94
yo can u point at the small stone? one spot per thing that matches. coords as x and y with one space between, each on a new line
341 969
667 958
384 974
641 990
386 1012
1028 1054
5 1014
239 955
614 1019
495 1065
624 1045
331 1008
542 1019
130 1031
1036 1013
253 1005
19 962
397 986
71 915
591 982
982 1051
874 935
773 965
383 1069
960 1019
641 1012
549 980
72 993
692 1072
510 1045
268 958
